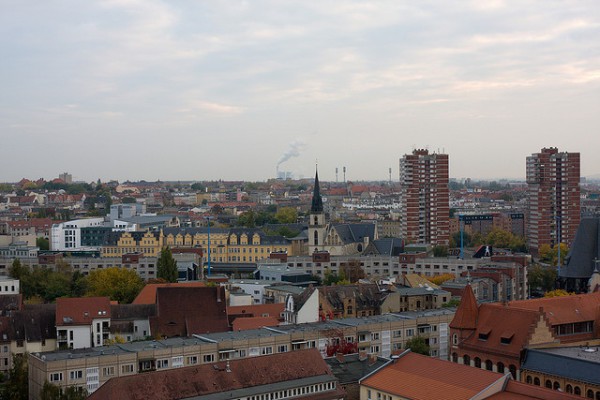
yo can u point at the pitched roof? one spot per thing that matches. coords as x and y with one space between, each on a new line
366 296
244 323
466 314
503 330
564 309
206 379
515 390
580 364
420 377
352 233
585 248
148 293
258 310
81 310
317 201
184 311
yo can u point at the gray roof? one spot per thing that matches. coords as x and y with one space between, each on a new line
389 246
580 261
577 363
350 368
352 233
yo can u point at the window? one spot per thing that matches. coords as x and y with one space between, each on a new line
108 371
177 361
266 350
410 332
208 358
192 360
56 377
397 333
375 336
282 349
127 369
75 374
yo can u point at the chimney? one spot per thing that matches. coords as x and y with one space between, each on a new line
340 357
227 367
362 355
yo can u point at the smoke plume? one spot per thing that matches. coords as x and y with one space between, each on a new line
294 150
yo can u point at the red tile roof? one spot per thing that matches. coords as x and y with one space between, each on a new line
148 293
208 379
419 377
497 321
81 310
565 309
466 314
184 311
516 391
258 310
244 324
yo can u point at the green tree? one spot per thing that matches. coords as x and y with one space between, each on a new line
541 279
128 200
286 215
440 251
418 345
17 270
120 284
43 243
167 266
17 386
198 187
52 392
247 219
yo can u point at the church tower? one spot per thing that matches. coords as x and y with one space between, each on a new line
317 227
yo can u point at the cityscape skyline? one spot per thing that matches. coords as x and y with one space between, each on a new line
153 90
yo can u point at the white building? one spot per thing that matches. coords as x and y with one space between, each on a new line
9 285
67 235
82 322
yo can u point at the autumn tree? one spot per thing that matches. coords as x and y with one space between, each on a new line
167 266
558 293
439 279
549 254
541 278
120 284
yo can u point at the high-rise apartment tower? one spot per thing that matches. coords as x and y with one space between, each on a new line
424 197
553 210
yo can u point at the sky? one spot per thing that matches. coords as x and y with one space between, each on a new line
234 90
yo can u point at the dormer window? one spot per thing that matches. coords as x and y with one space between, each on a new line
506 337
484 334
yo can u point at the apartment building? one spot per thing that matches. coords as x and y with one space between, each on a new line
425 198
378 335
553 210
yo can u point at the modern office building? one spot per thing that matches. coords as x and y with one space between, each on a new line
424 197
554 208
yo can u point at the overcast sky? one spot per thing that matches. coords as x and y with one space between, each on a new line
197 90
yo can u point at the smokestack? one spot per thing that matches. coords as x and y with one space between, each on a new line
336 174
344 169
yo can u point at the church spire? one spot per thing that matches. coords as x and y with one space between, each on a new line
317 201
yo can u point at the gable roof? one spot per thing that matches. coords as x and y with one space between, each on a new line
81 310
366 296
184 311
585 248
148 293
245 323
352 233
503 330
564 309
419 377
207 379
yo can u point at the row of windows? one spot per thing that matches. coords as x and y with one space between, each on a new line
284 394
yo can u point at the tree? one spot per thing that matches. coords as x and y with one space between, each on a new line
17 386
167 266
43 243
198 187
558 293
52 392
541 279
439 279
286 215
549 254
440 251
418 345
17 270
247 219
120 284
